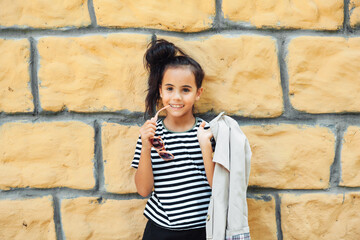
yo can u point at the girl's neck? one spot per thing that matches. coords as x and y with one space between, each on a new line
179 124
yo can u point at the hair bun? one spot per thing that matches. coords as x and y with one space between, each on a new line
159 52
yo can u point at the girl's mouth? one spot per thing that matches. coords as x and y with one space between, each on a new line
176 105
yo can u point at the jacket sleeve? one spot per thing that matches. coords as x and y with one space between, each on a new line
248 155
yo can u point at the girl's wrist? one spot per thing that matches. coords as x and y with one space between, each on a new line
205 142
146 145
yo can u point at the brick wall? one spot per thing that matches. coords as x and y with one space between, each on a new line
72 95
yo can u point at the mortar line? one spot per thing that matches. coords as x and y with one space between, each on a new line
331 190
346 22
153 38
57 218
33 69
223 29
92 14
128 118
284 76
98 164
335 168
218 15
278 216
64 192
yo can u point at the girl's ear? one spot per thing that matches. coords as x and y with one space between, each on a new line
160 90
198 94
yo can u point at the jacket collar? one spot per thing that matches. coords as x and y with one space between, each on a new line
214 125
221 133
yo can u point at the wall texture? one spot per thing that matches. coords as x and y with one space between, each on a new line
72 89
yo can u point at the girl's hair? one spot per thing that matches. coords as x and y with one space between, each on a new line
159 56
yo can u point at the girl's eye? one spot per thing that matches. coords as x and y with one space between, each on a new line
186 90
169 89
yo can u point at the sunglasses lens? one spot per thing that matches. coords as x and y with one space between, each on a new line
166 156
156 143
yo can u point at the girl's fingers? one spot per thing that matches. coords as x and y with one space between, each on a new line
149 124
152 123
147 131
152 128
153 120
203 124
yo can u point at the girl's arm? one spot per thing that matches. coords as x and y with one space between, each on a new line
144 178
204 137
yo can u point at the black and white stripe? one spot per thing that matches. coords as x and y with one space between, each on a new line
181 191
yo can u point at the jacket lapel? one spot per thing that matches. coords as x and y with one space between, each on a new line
222 139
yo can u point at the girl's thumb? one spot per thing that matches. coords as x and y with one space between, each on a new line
202 124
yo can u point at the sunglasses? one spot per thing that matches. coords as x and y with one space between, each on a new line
159 146
158 143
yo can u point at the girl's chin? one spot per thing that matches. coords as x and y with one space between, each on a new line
179 113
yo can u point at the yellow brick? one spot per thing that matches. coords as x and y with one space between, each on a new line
30 219
350 158
262 218
320 216
324 73
304 14
93 73
242 74
15 90
89 218
172 15
354 9
289 156
118 145
46 155
44 14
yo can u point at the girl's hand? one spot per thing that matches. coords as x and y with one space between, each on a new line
147 131
204 136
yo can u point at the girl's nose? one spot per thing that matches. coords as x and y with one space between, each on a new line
176 95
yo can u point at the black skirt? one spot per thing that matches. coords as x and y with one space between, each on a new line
154 232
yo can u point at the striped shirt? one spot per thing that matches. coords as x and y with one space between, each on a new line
181 193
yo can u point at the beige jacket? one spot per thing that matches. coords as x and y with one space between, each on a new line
227 213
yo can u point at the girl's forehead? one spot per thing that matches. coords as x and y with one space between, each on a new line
179 76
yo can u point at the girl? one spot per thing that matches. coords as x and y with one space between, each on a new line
174 155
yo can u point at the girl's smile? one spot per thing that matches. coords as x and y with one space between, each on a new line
176 105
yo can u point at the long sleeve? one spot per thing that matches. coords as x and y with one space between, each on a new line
237 221
248 155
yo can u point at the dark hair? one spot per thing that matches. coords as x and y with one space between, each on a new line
159 56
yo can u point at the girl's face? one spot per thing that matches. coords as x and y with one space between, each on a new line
178 89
